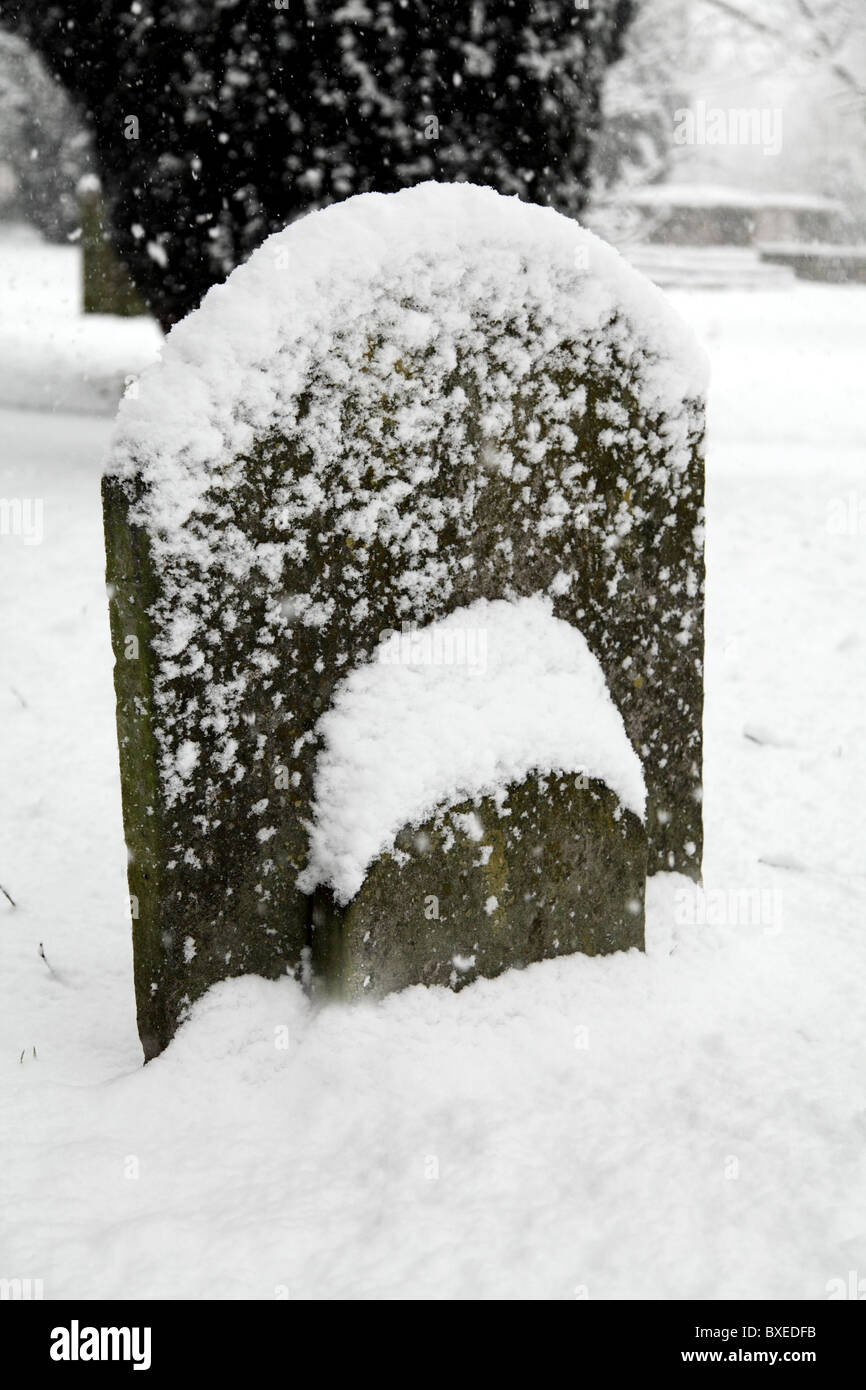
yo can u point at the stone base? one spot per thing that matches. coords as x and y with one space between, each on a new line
559 868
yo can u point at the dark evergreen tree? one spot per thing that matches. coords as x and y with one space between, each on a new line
217 121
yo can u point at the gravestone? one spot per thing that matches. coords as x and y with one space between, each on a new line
399 406
106 286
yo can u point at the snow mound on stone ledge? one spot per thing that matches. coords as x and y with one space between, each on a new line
233 369
458 709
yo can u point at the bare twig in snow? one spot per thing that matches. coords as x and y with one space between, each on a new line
820 40
47 962
744 17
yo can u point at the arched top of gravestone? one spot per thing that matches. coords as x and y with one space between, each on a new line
422 271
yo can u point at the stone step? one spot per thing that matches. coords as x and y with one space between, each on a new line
712 267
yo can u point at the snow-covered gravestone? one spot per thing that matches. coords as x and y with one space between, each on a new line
401 406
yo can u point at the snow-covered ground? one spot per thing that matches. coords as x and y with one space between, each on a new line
686 1123
52 357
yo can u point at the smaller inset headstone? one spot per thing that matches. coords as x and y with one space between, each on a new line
477 806
552 866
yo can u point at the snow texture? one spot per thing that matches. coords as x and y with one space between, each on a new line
459 709
343 335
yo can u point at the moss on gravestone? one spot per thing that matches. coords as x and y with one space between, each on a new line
209 898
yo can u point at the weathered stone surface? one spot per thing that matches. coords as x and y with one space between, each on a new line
557 867
491 421
206 904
